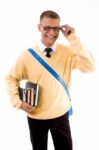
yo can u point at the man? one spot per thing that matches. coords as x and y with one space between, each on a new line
51 112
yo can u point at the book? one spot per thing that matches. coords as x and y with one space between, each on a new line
30 93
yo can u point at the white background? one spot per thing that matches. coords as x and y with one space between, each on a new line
18 31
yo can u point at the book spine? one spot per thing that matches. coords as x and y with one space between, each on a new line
28 95
32 96
24 95
36 96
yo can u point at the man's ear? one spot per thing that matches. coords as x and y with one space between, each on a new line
39 27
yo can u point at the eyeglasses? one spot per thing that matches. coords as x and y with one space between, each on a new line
48 28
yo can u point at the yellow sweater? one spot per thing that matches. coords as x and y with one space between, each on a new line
53 101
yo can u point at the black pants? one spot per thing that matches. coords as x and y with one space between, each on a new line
60 131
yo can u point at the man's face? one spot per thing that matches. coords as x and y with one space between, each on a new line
49 29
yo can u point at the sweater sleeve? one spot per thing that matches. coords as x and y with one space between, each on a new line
13 79
83 58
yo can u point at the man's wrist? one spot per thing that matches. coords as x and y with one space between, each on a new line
72 38
18 105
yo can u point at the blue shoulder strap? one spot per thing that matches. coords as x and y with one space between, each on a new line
42 62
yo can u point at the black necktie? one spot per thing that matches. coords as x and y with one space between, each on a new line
48 50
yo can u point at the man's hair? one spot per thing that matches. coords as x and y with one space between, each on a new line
50 14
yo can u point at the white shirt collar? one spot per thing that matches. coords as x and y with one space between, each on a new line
42 47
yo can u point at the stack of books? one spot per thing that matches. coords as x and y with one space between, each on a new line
30 93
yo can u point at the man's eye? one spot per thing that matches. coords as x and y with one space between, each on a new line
56 29
47 28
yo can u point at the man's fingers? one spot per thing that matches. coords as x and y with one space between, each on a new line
26 107
67 30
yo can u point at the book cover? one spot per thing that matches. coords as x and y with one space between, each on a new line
30 93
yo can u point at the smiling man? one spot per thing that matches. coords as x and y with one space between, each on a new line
49 28
51 113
